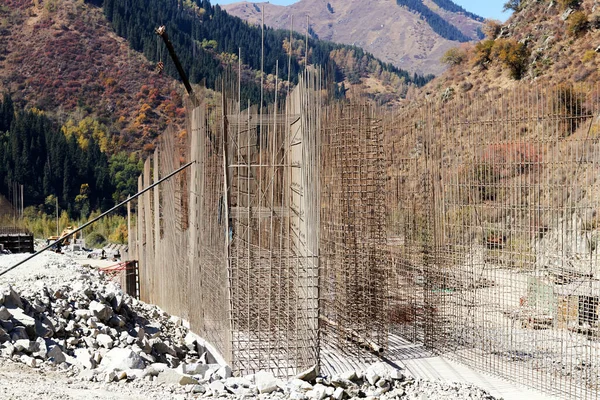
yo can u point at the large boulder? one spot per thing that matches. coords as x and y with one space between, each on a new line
9 297
170 376
121 359
101 311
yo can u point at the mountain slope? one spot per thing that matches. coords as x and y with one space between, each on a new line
542 42
207 40
394 33
63 58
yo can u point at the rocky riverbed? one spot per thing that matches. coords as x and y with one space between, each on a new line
68 331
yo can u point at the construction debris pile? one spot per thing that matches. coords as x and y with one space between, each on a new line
73 320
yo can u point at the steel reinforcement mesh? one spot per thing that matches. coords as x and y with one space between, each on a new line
232 244
274 267
469 225
354 263
493 229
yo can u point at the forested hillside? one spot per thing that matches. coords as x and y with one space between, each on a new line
207 39
35 152
449 5
437 23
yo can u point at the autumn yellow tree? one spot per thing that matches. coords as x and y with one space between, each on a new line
84 130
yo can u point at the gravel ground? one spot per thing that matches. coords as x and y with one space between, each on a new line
67 332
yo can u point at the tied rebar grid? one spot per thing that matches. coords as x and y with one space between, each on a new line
273 258
233 245
490 205
494 231
354 272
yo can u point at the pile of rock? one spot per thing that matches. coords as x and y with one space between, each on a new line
378 381
89 327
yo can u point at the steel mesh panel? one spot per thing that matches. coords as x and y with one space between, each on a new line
354 274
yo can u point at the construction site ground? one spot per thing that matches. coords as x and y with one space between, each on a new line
19 381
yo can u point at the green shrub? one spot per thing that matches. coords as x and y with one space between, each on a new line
514 55
454 56
95 240
578 24
483 53
569 3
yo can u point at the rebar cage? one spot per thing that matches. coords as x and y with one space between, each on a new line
311 233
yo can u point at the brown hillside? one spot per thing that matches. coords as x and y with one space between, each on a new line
391 33
558 44
61 56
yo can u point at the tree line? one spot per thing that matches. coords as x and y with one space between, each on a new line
201 33
437 23
35 152
449 5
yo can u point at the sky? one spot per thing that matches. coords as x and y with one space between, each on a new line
486 8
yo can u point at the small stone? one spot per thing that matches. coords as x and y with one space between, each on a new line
193 368
4 336
310 374
84 358
110 376
4 314
17 333
132 374
101 311
7 350
29 361
25 345
224 372
338 394
56 355
172 361
299 385
162 348
87 375
117 320
372 376
170 376
338 381
104 341
398 392
41 349
121 359
265 382
217 388
9 297
21 317
396 374
198 389
297 396
319 392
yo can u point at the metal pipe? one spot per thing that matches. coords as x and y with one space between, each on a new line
138 194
